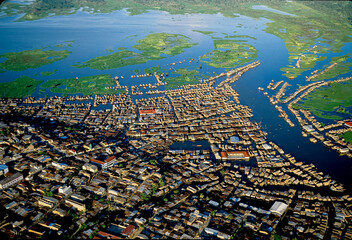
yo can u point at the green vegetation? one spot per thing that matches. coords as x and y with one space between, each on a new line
115 60
152 47
325 101
183 77
314 24
306 62
343 66
229 54
19 61
204 32
48 73
20 88
240 36
66 44
91 85
347 136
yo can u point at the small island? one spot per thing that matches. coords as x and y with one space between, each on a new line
19 61
91 85
20 88
152 47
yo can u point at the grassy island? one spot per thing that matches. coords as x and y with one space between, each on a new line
91 85
48 73
343 65
19 61
20 88
229 54
151 48
347 136
325 101
181 76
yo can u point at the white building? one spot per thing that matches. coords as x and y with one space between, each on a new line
3 169
12 180
278 208
66 190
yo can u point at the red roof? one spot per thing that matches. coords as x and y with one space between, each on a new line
150 111
108 235
110 159
128 230
97 161
245 154
348 124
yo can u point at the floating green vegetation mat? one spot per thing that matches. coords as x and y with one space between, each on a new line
183 77
301 64
66 44
151 48
239 36
343 65
317 28
229 54
48 73
91 85
204 32
19 61
347 136
20 88
326 101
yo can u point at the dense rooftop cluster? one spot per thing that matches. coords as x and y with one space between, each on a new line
186 164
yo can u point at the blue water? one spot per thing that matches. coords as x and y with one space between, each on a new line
94 34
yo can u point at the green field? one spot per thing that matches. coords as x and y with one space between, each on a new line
229 54
306 62
19 61
91 85
204 32
20 88
347 136
181 76
326 101
343 66
48 73
151 48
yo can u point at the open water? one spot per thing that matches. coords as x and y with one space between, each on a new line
94 34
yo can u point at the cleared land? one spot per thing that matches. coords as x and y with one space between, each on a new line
151 47
19 61
20 88
91 85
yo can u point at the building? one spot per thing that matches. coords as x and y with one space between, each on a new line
90 167
128 231
235 155
49 202
79 206
109 162
65 190
147 112
278 208
348 124
234 139
3 169
11 180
